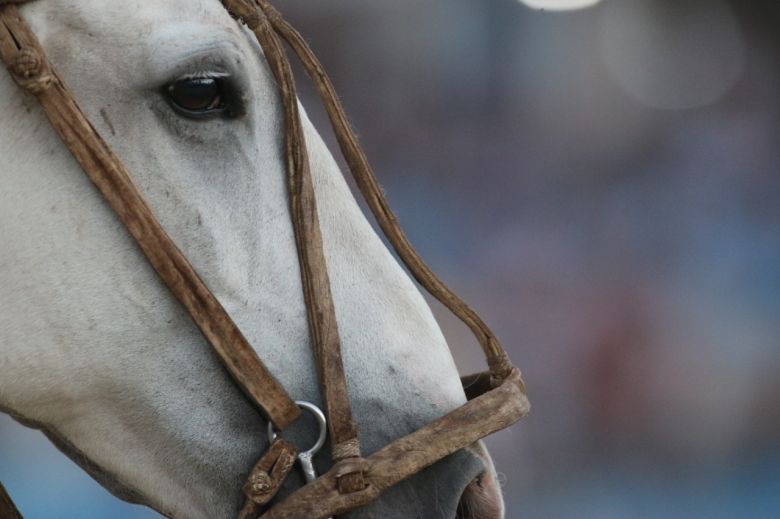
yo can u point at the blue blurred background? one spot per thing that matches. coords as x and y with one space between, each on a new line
603 185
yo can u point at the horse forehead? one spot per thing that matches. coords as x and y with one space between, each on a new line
118 18
133 44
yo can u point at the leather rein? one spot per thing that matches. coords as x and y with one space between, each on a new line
496 398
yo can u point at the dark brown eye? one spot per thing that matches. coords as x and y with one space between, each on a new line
197 97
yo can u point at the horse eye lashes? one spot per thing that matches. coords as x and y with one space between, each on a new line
204 74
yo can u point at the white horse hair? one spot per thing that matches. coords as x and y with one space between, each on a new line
96 352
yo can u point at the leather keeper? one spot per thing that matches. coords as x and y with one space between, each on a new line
350 474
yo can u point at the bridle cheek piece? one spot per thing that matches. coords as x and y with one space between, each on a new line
496 398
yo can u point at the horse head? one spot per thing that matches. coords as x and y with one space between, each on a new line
98 354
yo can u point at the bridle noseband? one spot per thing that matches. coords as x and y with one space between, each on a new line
496 398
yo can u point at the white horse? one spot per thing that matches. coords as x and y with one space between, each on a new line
93 348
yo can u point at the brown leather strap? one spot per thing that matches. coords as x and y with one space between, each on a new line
8 509
28 64
497 359
353 481
267 477
323 327
486 414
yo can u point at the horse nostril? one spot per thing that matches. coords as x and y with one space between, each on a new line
481 498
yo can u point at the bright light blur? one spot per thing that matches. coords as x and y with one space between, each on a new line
603 187
668 56
559 5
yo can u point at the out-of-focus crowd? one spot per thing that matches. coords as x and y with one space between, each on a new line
603 185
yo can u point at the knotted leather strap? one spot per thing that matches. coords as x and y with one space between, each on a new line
28 64
267 477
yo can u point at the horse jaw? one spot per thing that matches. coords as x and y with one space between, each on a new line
94 349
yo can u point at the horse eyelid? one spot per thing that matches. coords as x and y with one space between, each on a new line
232 99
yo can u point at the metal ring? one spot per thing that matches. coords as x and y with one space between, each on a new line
321 421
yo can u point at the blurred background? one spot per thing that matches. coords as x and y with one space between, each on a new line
601 180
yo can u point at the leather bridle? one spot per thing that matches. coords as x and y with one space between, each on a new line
496 398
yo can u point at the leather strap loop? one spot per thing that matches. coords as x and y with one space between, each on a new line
350 475
267 476
349 466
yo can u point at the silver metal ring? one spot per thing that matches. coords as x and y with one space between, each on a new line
321 421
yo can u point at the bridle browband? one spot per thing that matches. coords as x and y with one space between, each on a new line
496 399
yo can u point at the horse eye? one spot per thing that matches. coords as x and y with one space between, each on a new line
198 97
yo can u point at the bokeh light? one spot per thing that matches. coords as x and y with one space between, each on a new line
673 55
559 5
